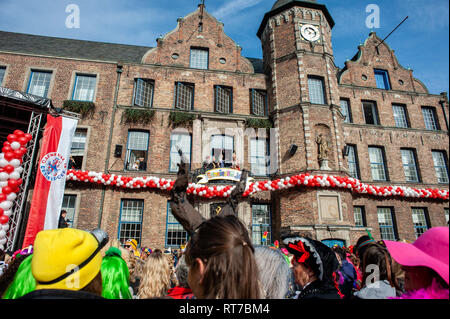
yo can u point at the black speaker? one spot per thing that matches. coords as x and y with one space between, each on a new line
346 150
293 149
118 151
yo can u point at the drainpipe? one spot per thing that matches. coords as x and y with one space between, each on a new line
108 151
442 103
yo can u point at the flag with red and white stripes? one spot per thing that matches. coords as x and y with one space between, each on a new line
51 173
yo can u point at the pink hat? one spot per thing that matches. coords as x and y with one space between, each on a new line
429 250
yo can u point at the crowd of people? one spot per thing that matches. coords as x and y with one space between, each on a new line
220 262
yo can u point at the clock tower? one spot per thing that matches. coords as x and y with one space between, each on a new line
304 104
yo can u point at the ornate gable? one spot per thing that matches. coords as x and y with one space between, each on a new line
174 48
372 56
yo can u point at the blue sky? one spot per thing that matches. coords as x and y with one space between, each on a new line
421 42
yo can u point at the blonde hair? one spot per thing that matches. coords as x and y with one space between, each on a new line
155 280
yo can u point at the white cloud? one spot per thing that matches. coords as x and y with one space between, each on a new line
234 6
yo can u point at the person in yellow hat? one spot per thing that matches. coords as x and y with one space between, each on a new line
131 245
66 264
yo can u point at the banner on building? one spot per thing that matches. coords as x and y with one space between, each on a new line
50 182
225 174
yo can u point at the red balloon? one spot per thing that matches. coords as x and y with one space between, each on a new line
6 190
17 154
12 183
9 156
2 198
19 133
22 140
7 148
4 219
12 138
1 209
6 143
8 169
28 136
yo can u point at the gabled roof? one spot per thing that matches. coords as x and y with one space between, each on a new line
80 49
70 48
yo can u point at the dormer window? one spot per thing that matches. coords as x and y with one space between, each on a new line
199 58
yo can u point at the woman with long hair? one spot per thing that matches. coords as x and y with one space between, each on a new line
221 261
379 280
155 280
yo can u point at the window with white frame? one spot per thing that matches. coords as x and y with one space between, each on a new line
370 113
386 222
430 118
420 221
143 92
377 164
261 225
223 99
69 205
222 148
316 90
258 102
199 58
440 166
352 160
409 165
400 117
345 110
175 233
359 214
39 83
77 150
137 151
184 96
259 154
179 141
84 89
2 74
130 220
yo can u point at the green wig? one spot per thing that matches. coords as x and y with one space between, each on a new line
23 281
115 276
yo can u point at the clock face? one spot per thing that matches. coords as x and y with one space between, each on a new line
310 32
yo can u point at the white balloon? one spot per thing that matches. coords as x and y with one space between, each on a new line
5 227
15 163
14 175
2 234
6 205
2 155
15 145
2 247
7 213
3 184
19 169
3 162
3 241
4 176
11 196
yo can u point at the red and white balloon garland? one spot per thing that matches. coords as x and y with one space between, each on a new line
224 191
11 168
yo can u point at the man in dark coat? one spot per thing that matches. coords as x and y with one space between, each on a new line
62 220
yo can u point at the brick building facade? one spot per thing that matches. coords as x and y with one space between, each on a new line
381 125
